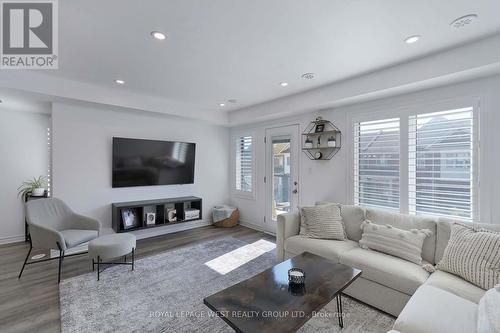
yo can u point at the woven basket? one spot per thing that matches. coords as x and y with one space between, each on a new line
231 221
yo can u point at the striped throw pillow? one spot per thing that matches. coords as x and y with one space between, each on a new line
404 244
474 255
322 221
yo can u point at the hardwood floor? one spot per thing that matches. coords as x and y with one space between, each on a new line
31 304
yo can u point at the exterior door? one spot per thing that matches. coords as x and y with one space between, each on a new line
282 173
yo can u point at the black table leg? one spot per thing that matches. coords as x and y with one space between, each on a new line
98 267
340 310
133 250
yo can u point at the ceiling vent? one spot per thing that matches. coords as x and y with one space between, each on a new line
463 21
308 76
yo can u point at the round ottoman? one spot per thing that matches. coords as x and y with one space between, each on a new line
109 247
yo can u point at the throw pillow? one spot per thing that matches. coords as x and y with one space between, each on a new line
322 221
404 244
474 255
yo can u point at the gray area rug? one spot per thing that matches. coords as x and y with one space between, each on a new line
165 293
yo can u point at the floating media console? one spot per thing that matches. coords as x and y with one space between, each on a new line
137 215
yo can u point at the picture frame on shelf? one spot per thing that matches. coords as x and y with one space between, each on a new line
320 128
130 218
150 218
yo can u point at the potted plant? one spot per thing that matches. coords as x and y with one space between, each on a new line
34 187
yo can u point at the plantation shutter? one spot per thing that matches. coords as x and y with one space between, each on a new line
441 163
376 163
244 163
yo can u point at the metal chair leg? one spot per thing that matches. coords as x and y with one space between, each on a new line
25 261
98 267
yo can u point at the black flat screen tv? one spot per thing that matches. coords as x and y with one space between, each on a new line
138 162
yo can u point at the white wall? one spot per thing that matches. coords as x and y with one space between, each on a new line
24 155
332 180
82 147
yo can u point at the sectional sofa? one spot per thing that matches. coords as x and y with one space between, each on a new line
423 302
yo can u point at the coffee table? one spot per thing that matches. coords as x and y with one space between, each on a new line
266 303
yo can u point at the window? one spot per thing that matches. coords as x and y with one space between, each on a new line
441 163
436 175
244 164
376 163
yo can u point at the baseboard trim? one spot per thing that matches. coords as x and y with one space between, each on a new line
11 239
256 227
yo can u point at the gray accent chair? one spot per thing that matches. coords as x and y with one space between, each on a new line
53 225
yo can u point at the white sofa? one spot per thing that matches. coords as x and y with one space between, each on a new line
423 302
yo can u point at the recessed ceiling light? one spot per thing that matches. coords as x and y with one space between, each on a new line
222 104
412 39
119 81
308 76
283 84
158 35
463 21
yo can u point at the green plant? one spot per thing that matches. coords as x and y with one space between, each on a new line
29 185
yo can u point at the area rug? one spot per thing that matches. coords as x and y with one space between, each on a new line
165 293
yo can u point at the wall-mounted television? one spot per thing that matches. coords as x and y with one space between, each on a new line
138 162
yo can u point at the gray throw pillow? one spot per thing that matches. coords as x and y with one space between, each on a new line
404 244
322 221
474 255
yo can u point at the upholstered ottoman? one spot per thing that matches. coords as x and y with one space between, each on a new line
110 247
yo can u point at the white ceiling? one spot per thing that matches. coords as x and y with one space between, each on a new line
222 49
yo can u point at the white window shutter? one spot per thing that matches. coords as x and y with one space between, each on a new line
376 164
441 164
244 164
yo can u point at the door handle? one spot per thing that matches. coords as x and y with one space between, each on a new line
294 191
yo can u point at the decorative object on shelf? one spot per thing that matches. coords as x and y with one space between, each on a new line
34 187
171 215
191 214
320 128
296 276
332 142
129 218
321 139
308 144
150 218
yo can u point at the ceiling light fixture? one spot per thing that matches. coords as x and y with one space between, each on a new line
463 21
308 76
412 39
118 81
232 101
158 35
284 84
222 105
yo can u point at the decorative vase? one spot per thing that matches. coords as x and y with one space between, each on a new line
38 192
308 143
